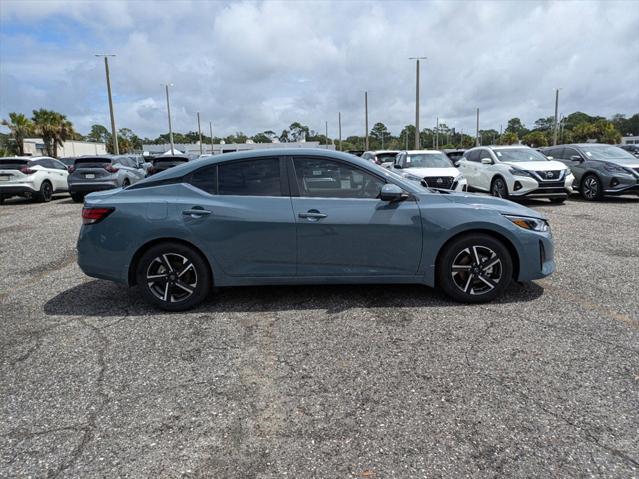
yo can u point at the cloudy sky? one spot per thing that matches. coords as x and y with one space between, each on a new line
252 66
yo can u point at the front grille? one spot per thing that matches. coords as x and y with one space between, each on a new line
551 176
439 181
540 191
551 184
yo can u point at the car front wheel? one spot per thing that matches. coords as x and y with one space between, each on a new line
173 276
591 189
474 268
499 188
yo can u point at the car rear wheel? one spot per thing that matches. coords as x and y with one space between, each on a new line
499 188
474 268
46 192
173 276
77 197
591 188
126 183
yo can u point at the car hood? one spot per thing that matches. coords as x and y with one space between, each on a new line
551 165
423 172
627 162
492 203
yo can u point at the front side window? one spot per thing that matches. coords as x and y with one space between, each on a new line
321 178
250 178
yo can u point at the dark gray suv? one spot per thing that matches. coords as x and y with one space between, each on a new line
97 173
600 170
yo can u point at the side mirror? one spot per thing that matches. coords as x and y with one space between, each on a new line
456 163
576 158
397 166
550 157
392 193
486 161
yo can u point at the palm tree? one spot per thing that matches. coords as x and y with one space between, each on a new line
54 128
21 127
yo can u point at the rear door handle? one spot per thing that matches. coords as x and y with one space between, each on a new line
195 212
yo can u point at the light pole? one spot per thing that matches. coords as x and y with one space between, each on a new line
326 133
168 110
554 138
366 119
199 131
417 98
477 143
437 133
339 127
114 133
211 131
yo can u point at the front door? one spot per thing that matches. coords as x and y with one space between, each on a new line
344 229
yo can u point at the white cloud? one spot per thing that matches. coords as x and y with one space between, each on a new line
253 66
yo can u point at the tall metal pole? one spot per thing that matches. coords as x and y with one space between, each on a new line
554 138
199 130
477 129
417 99
211 132
366 119
326 133
339 127
114 133
168 110
437 134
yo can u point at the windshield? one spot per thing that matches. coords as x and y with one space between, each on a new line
427 160
606 152
12 163
519 154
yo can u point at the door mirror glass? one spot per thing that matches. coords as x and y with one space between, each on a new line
390 192
576 158
486 161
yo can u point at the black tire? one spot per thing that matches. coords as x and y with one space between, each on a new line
46 192
77 197
173 282
126 183
469 282
499 188
591 188
1 199
558 200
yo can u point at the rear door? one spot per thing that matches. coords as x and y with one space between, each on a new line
57 172
241 211
468 166
485 172
344 229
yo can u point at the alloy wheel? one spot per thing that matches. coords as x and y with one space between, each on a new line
499 188
171 278
47 191
476 270
591 188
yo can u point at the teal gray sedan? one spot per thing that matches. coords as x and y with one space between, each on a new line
305 216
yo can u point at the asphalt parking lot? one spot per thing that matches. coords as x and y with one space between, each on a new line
367 381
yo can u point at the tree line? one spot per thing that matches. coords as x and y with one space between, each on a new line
54 128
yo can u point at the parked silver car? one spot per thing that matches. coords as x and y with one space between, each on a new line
97 173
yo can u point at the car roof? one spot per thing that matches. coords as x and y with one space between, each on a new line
415 152
377 152
25 157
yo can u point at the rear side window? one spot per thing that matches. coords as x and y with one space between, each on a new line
205 179
250 178
473 155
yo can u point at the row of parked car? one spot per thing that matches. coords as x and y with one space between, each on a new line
41 177
591 169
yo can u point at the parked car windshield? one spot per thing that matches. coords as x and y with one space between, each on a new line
519 154
606 152
12 163
427 160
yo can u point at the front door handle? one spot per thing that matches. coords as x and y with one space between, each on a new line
312 215
196 212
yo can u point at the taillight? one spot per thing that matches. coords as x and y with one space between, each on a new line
91 216
71 169
27 171
111 168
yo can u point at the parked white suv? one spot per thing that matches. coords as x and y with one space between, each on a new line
431 168
516 172
40 177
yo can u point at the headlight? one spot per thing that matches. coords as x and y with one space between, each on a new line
615 168
518 172
460 177
533 224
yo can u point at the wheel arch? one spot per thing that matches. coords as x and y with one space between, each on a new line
131 276
512 250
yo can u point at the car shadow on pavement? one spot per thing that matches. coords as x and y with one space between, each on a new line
104 299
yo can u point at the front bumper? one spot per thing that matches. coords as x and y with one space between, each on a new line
621 185
538 258
527 187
